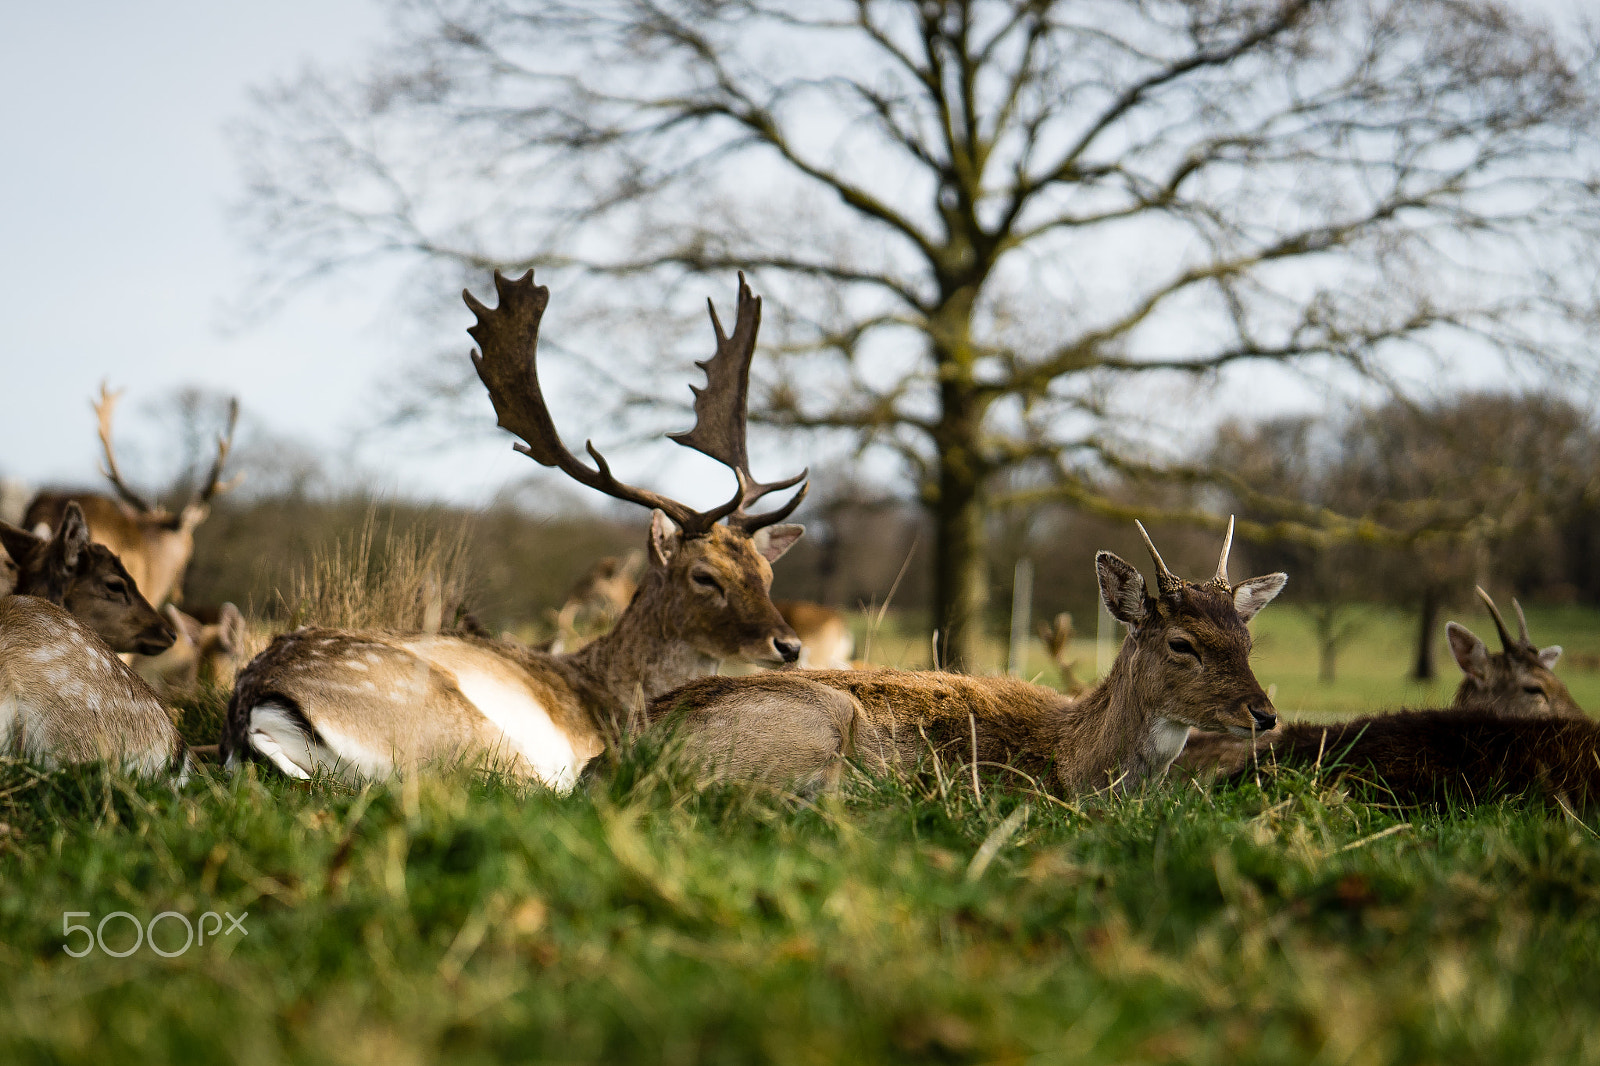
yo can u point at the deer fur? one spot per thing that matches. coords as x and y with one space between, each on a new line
1515 682
825 639
1185 662
375 703
66 698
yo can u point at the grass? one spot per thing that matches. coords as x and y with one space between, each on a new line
457 917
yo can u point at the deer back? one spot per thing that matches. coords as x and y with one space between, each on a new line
66 698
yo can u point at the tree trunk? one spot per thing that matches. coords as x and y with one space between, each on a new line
1428 619
960 578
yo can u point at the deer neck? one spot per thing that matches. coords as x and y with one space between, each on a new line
642 656
1114 735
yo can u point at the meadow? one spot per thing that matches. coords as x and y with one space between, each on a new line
458 917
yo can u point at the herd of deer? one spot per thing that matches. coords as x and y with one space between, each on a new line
78 581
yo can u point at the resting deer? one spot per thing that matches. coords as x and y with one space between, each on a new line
1057 637
1514 682
204 653
597 600
155 544
1185 663
825 640
377 702
65 697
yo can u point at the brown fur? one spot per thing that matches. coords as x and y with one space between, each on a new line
66 698
89 582
1127 729
1459 755
1515 682
205 653
155 546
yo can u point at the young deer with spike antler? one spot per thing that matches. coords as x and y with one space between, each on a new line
155 544
1515 682
377 702
65 697
1185 663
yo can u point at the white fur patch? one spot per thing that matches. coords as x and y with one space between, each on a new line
527 726
276 737
1167 739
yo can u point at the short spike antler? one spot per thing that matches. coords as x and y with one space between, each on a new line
1499 623
508 336
1166 581
1220 581
721 413
1522 622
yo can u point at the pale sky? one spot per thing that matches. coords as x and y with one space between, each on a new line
120 261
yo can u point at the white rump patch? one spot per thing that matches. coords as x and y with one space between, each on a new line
277 737
527 726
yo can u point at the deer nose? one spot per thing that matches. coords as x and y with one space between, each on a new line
1264 717
788 647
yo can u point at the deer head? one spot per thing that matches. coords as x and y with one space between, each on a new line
88 581
1517 681
710 570
165 540
1188 648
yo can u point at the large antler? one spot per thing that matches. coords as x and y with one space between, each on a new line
507 364
214 484
104 408
721 413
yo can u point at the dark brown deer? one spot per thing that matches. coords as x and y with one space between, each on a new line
155 544
1185 662
1514 682
372 703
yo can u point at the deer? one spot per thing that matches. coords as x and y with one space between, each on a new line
598 599
154 543
1056 636
825 639
1515 682
375 703
204 653
1184 663
65 697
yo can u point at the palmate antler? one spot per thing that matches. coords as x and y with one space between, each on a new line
105 409
507 364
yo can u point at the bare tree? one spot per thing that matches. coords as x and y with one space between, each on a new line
981 219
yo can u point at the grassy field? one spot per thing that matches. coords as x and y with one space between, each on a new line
456 918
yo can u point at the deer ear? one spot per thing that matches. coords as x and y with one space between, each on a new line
1548 656
1469 651
1250 596
665 539
773 541
230 629
18 543
72 537
1121 588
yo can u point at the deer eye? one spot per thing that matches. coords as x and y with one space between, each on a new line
117 587
1533 690
1183 647
706 581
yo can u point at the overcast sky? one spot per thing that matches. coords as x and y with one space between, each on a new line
119 259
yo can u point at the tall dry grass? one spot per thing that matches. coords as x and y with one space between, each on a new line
412 579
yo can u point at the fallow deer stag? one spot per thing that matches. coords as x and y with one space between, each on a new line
825 639
65 697
1185 663
373 703
155 544
1515 682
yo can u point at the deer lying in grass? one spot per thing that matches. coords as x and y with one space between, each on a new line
1515 682
155 544
65 697
1057 637
372 703
825 639
1185 663
597 600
